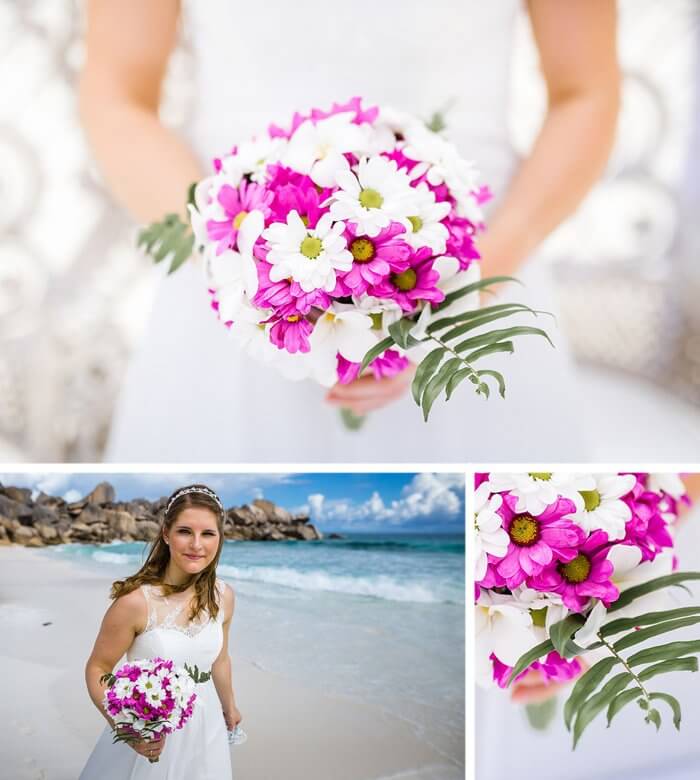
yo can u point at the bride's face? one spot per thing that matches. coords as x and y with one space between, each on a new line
193 539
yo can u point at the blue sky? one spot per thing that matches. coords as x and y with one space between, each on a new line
337 502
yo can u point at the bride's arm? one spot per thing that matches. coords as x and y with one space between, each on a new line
146 166
221 668
125 618
578 57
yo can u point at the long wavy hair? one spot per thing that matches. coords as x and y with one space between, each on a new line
153 570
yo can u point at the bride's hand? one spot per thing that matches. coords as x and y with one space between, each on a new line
366 394
149 748
232 718
531 689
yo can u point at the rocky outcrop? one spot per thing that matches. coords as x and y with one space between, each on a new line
40 520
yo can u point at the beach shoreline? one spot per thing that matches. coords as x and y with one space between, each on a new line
50 612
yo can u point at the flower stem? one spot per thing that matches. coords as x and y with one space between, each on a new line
635 677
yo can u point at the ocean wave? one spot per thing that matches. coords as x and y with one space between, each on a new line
110 557
380 587
389 546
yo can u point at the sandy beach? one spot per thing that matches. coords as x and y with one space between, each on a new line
49 615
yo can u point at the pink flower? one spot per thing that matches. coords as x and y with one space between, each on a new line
274 131
460 242
535 541
648 529
237 203
286 296
554 668
402 161
480 478
418 282
292 333
388 364
374 258
296 192
362 115
587 575
483 194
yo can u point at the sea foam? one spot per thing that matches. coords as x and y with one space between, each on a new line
380 587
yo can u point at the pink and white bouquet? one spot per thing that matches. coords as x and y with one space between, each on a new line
344 244
150 698
572 570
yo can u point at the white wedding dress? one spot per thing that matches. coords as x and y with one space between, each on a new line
200 749
191 395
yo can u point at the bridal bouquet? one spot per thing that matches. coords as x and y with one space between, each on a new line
572 571
345 244
150 698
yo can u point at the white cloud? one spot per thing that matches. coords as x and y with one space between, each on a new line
51 484
72 495
425 496
315 506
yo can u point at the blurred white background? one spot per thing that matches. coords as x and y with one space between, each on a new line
74 292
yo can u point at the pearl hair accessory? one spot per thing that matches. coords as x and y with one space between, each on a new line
203 490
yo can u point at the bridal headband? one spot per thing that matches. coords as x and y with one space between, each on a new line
185 491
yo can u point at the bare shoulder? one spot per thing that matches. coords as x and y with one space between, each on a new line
228 600
130 609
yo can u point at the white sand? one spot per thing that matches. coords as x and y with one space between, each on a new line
49 724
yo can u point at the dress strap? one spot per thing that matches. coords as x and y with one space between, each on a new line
147 591
220 590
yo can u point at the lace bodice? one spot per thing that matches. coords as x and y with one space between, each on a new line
170 633
173 612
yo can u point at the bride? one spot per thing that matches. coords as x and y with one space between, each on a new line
174 608
259 62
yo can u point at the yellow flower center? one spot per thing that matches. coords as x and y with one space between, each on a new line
362 250
540 476
294 318
311 247
591 499
524 530
416 223
238 219
576 571
539 617
371 199
406 280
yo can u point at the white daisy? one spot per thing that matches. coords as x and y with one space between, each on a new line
427 228
310 256
233 274
490 537
668 483
376 195
503 628
602 505
343 331
252 158
317 148
446 166
535 491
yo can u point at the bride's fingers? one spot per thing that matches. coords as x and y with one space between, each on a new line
367 387
534 694
364 405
